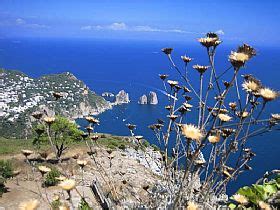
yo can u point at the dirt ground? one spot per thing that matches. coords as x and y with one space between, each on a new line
118 174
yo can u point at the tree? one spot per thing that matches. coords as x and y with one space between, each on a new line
61 133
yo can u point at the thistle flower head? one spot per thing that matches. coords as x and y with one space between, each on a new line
84 135
200 69
167 50
240 199
211 40
163 76
224 117
238 59
37 115
199 162
29 205
191 132
232 105
242 114
247 49
213 139
250 86
168 107
139 137
172 83
268 94
186 59
89 128
64 207
82 163
172 117
192 206
226 173
92 120
26 152
130 126
94 137
186 90
44 169
187 105
67 184
264 206
57 95
242 55
275 116
49 120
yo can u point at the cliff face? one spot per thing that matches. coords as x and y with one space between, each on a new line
22 95
122 98
153 98
143 99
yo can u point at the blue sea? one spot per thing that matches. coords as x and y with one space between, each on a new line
113 65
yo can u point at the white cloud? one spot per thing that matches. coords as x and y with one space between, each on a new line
21 22
117 26
220 32
86 28
140 28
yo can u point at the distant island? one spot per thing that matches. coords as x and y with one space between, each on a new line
23 95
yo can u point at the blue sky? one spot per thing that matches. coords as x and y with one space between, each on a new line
238 20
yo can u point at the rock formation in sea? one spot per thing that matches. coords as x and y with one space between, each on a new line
152 98
107 94
122 98
143 99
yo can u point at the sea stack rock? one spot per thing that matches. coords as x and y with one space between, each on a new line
122 98
152 99
143 99
107 94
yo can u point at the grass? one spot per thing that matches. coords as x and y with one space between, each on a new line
14 146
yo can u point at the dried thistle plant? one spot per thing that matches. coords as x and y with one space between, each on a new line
221 126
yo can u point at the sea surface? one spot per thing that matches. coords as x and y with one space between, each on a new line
113 65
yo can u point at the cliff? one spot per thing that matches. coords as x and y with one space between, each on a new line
23 95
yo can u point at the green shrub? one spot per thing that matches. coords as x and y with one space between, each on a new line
122 146
6 169
155 147
145 143
257 193
2 186
50 179
84 205
55 204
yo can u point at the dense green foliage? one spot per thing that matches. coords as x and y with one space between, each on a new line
63 133
257 193
50 178
6 171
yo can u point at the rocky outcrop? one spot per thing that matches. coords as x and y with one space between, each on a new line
143 99
122 98
107 94
152 98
